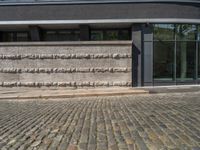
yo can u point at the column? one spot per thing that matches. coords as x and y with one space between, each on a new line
137 75
148 54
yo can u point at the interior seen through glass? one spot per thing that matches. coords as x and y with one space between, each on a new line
175 54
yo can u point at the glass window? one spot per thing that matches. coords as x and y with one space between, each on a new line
185 32
96 35
22 36
61 35
185 60
163 60
198 38
110 35
73 36
199 60
50 36
124 35
8 37
198 35
15 36
175 52
164 31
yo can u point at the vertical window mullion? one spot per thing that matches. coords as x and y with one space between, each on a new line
197 57
197 62
175 55
153 58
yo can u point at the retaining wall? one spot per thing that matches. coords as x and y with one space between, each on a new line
65 64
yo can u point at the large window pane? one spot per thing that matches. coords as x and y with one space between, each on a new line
198 35
15 36
185 32
163 60
23 36
96 35
110 35
185 58
184 36
8 37
164 32
124 35
198 38
61 35
199 60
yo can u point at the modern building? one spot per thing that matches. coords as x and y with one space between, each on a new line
90 43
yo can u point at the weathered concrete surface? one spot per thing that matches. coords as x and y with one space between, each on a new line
35 93
66 64
161 121
172 89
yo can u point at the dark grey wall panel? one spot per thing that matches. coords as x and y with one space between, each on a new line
137 55
39 2
99 11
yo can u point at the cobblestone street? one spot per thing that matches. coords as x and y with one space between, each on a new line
155 122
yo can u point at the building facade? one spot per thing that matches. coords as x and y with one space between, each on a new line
92 43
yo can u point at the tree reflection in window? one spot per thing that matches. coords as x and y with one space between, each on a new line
109 35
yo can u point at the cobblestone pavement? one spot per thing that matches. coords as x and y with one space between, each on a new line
161 121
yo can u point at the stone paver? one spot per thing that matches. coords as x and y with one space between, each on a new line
155 122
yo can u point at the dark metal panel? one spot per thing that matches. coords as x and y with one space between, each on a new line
84 33
137 75
1 36
100 11
35 33
45 2
148 62
148 54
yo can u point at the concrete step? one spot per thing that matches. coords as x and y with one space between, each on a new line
62 93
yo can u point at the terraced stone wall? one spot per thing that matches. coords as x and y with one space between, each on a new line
75 64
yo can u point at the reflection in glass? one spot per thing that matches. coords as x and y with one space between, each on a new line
61 35
199 60
163 60
124 35
198 35
185 60
110 35
185 32
164 31
15 36
184 53
198 38
97 35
